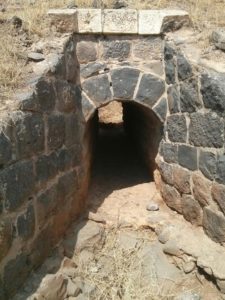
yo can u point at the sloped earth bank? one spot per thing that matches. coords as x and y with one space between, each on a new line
121 250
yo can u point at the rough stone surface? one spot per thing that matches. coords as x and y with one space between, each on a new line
206 130
166 171
161 109
6 148
89 20
120 21
150 48
86 51
201 189
6 236
124 81
189 98
91 69
184 69
56 131
116 50
213 91
218 194
65 20
171 197
191 210
214 224
170 152
35 56
150 90
46 167
218 38
187 157
29 134
68 96
26 223
181 179
173 99
207 164
177 128
220 170
89 235
12 180
53 287
170 70
98 89
88 107
45 95
152 206
157 21
16 271
46 203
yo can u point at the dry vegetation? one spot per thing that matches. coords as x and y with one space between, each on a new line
206 14
118 273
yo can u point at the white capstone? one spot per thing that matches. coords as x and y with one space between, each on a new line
65 20
120 21
152 21
89 20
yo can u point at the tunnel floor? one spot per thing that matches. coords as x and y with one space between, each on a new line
116 250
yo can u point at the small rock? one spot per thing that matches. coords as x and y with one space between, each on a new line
53 287
189 266
35 56
171 248
164 236
152 206
68 267
188 296
118 4
72 289
218 38
16 22
71 4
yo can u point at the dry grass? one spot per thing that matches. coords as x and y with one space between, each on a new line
122 274
206 14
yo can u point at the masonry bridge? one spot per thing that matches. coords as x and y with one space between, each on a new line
172 109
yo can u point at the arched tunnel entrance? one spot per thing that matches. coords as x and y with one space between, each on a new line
125 139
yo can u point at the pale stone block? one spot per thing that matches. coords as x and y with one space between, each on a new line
65 20
157 21
120 21
89 20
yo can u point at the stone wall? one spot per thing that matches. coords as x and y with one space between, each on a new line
46 142
43 178
192 160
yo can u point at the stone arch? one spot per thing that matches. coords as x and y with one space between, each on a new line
143 101
124 84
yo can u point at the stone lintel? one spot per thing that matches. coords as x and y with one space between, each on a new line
153 21
114 21
89 20
65 20
123 21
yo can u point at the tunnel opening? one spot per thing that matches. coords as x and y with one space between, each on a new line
125 144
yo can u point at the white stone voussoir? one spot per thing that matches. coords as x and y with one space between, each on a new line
122 21
65 20
89 20
157 21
